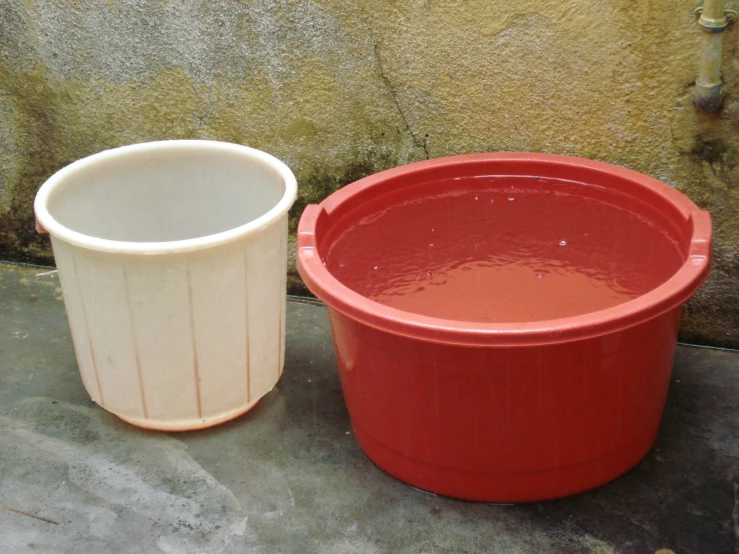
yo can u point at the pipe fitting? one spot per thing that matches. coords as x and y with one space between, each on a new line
708 97
713 20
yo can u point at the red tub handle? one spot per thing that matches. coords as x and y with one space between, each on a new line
309 262
700 244
309 222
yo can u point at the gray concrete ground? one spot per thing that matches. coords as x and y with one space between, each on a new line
289 477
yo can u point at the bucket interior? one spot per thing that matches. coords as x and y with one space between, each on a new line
502 248
163 195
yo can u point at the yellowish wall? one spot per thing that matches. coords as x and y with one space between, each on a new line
342 88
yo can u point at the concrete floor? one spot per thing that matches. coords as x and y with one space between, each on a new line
289 477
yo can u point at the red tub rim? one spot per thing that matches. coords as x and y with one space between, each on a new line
672 293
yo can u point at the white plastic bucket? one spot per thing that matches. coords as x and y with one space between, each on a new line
172 258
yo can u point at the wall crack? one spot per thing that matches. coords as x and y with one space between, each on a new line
417 142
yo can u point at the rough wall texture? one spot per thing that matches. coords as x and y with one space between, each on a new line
342 88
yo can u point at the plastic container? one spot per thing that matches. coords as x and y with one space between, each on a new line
505 324
172 261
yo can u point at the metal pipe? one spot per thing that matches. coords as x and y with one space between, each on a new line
708 84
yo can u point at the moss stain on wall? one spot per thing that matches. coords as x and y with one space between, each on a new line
53 125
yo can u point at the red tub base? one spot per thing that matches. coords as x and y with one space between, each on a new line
507 487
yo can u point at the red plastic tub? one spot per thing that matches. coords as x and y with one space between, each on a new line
505 324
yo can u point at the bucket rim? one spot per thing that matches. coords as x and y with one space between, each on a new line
64 233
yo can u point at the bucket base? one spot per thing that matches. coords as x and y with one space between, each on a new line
505 487
187 424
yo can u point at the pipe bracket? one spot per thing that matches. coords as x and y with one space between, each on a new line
718 25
